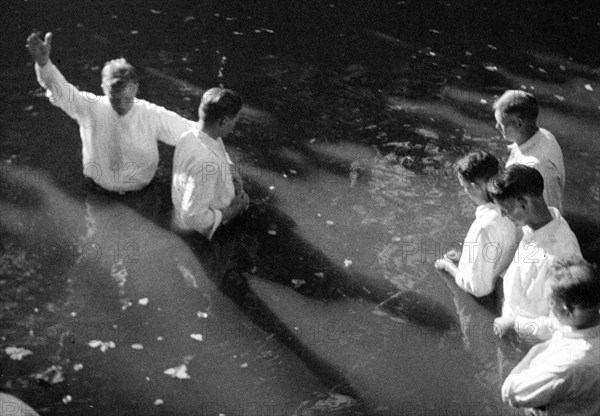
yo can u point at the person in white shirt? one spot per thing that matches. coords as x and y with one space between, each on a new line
492 238
119 132
516 115
207 191
562 376
546 238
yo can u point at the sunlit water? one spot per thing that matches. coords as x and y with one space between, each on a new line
323 298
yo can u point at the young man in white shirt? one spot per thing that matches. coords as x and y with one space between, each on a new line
119 132
562 375
492 238
546 238
207 190
516 115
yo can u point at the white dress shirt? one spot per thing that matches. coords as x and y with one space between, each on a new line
120 153
562 375
487 250
543 153
526 280
202 182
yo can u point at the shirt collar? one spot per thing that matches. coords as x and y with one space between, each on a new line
485 208
573 333
530 143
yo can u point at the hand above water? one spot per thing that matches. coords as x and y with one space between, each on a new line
39 50
502 325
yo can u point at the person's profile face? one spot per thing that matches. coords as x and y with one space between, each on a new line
228 124
506 126
473 190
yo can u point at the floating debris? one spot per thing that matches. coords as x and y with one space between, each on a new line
491 68
328 222
158 402
272 232
492 47
104 346
179 372
77 367
197 337
347 262
562 67
188 19
244 365
17 353
153 11
298 282
52 375
143 301
137 346
67 399
559 97
134 32
188 276
201 314
588 87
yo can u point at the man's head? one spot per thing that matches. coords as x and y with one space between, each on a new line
219 110
519 191
120 84
516 115
474 171
575 293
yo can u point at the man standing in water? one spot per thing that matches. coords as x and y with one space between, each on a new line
119 132
516 115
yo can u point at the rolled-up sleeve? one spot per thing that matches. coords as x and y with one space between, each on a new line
476 272
537 387
172 125
198 193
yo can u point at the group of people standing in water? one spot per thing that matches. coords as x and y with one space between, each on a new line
551 294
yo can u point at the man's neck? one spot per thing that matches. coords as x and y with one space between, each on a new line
528 133
541 216
209 130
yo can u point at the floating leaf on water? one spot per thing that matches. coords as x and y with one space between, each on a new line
201 314
188 19
52 375
492 47
244 365
160 339
320 275
143 301
67 399
483 101
197 337
293 172
588 87
134 32
104 346
158 402
28 108
559 97
491 68
179 372
467 53
347 262
17 353
238 33
78 367
298 282
137 346
562 67
153 11
272 232
328 222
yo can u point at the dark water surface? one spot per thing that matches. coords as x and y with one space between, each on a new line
323 299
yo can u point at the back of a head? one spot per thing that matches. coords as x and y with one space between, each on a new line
576 282
515 182
520 103
117 73
478 165
218 103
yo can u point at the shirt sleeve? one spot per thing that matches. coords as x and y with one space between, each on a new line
198 193
535 329
171 125
63 94
553 190
476 272
534 386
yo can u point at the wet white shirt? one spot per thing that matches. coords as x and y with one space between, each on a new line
526 280
120 153
543 153
562 375
487 250
202 183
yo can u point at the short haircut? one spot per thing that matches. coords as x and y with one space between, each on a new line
117 73
520 103
515 182
576 282
218 103
478 165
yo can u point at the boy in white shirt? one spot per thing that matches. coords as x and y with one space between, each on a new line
516 115
546 237
562 375
492 238
206 190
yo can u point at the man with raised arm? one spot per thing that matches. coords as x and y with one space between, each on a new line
119 132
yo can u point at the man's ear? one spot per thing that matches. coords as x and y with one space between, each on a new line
520 122
522 202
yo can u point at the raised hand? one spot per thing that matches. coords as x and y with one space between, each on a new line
39 50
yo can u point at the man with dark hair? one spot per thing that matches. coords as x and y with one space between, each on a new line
562 375
207 190
119 132
546 237
491 241
516 115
